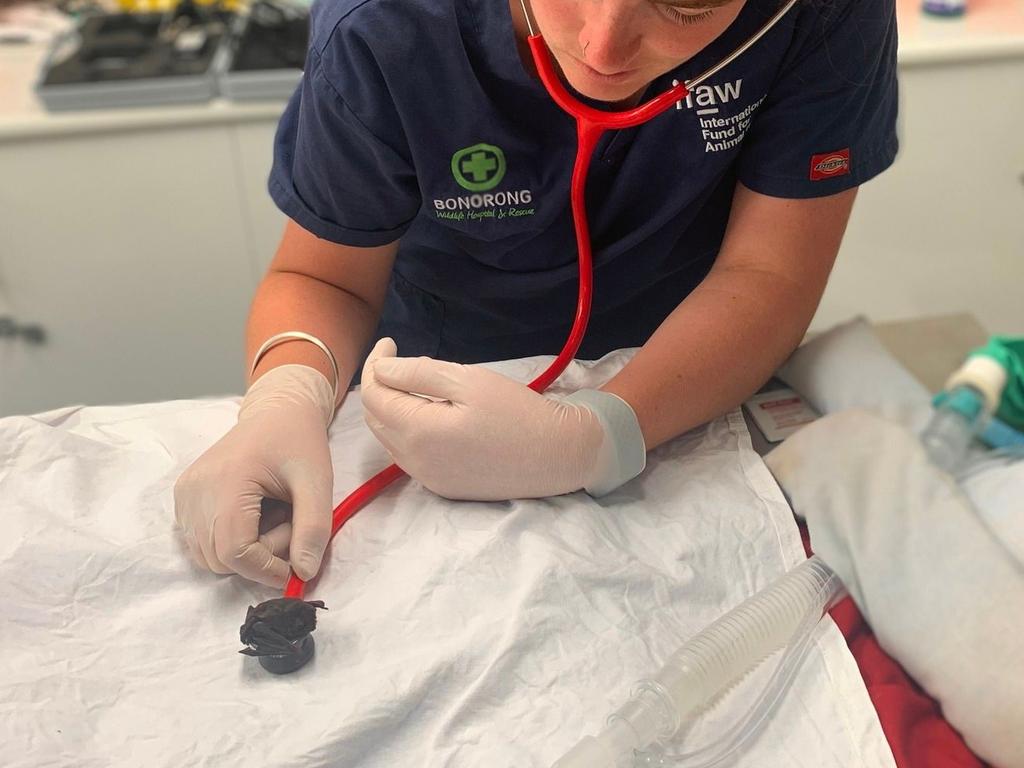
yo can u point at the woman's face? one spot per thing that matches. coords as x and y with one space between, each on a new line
611 50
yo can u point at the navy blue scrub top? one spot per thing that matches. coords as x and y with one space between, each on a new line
416 120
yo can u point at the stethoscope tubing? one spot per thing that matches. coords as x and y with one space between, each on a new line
591 123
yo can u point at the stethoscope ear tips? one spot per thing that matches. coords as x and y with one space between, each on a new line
278 633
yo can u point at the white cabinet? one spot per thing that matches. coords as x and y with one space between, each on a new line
128 248
942 231
255 146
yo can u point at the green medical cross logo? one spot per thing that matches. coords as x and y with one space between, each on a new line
479 168
478 165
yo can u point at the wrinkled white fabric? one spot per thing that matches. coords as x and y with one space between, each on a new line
460 634
944 596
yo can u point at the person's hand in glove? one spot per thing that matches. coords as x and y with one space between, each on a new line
466 432
278 450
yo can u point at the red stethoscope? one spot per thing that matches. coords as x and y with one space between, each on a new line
591 124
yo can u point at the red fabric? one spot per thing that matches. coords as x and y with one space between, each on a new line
911 720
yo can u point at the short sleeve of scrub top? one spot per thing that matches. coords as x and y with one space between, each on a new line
828 122
342 169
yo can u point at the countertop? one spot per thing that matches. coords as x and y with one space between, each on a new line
990 29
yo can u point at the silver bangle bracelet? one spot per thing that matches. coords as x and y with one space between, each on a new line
281 338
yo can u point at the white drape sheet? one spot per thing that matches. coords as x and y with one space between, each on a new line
459 634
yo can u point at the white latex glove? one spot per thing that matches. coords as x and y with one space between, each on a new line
942 594
480 435
278 449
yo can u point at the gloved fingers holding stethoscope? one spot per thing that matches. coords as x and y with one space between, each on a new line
467 432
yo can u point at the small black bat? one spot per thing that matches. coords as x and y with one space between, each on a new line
276 627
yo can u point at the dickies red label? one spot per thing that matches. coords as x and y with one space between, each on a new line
829 164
